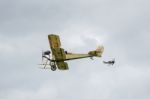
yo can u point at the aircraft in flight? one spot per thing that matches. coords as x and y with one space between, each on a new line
58 56
111 62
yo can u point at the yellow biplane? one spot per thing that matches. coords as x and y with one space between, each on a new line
57 58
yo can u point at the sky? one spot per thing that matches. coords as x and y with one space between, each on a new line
121 26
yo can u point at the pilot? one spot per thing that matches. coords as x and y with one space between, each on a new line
112 62
47 52
66 52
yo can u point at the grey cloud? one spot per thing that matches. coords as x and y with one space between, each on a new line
121 26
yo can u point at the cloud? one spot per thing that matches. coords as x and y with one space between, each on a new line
110 83
121 26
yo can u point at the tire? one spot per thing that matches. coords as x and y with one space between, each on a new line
53 67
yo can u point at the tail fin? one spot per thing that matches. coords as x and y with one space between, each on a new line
98 52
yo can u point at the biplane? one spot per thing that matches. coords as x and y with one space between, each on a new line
57 57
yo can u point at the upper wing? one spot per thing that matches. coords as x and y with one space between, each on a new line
54 41
55 45
58 52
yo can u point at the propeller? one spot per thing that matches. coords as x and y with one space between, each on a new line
42 55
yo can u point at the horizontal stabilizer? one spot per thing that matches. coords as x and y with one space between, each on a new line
98 52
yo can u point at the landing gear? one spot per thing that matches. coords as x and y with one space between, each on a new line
48 61
91 58
53 66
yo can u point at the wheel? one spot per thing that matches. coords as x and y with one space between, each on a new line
53 67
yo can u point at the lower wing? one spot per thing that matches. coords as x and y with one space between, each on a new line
62 65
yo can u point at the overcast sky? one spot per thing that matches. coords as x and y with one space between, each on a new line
121 26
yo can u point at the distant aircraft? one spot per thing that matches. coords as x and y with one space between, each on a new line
111 62
59 55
